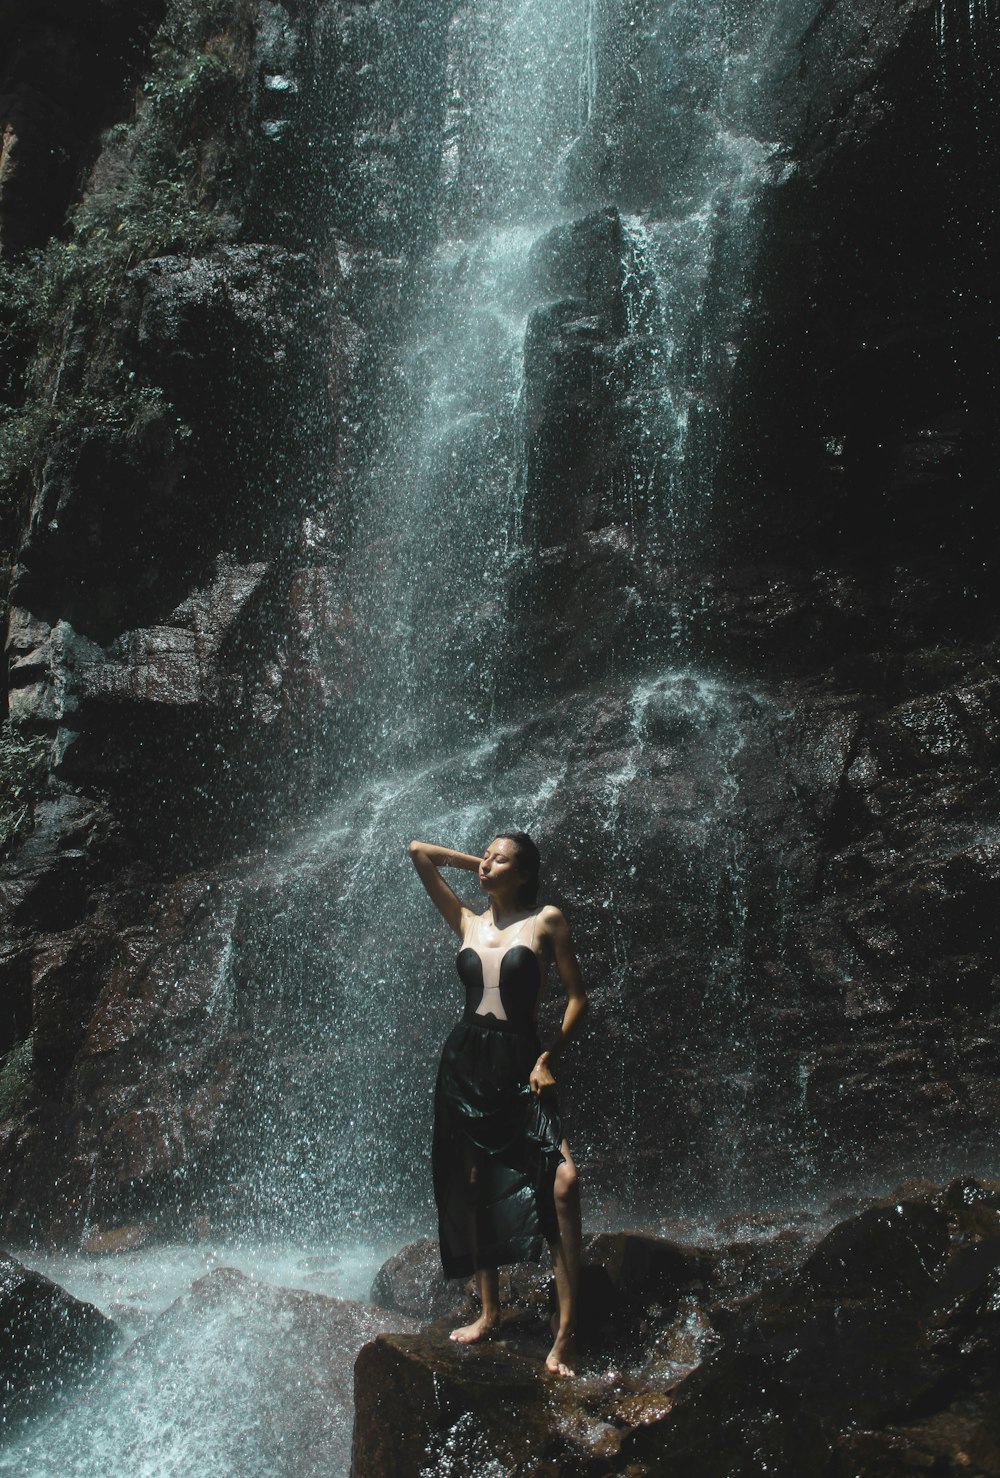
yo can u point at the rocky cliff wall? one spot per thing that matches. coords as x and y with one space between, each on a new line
860 467
194 383
182 403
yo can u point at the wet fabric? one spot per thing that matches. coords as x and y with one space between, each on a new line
486 1119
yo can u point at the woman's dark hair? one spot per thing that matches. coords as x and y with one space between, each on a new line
529 861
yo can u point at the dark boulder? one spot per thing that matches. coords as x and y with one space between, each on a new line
412 1282
421 1400
885 1252
493 1406
622 1275
48 1339
888 1323
880 1347
630 1281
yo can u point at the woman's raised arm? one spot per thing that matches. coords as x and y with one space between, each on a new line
428 860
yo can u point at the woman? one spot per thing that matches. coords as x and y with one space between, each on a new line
504 1180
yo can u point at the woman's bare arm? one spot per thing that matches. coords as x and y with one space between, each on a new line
428 860
558 936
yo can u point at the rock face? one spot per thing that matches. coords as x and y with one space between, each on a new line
874 1353
63 79
172 542
49 1341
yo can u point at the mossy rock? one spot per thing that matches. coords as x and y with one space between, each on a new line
24 768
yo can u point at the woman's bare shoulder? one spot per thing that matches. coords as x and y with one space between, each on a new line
552 919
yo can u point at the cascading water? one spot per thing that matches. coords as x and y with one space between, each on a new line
440 530
436 549
450 710
669 358
454 731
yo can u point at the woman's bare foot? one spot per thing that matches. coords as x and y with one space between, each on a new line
562 1354
483 1328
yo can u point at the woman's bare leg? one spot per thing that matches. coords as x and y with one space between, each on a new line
488 1284
566 1256
487 1279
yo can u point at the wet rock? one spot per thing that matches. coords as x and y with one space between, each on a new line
253 320
15 983
48 1340
412 1283
459 1404
877 1345
45 668
957 1441
422 1400
623 1275
568 395
629 1278
880 1253
821 754
889 1316
155 1118
177 663
60 1004
583 260
568 401
740 1269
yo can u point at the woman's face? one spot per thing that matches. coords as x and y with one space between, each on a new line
500 869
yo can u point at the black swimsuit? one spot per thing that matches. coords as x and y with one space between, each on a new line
520 984
486 1118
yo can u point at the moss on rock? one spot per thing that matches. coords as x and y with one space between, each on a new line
24 764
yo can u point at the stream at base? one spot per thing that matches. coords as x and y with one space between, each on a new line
212 1377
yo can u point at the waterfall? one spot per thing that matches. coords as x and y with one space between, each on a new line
439 533
588 70
453 730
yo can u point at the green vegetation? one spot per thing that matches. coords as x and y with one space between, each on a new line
64 329
190 25
68 311
24 765
15 1078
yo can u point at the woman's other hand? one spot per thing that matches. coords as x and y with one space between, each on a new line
541 1078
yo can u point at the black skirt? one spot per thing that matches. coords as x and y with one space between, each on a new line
491 1129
